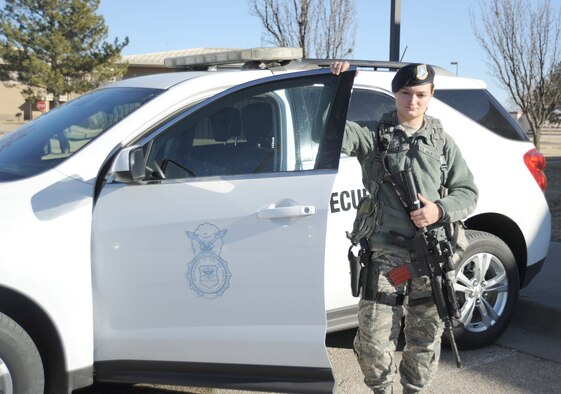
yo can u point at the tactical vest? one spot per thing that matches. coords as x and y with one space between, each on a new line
384 134
455 232
370 213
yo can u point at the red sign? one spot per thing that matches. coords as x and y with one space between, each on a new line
41 105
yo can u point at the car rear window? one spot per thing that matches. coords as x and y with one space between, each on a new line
367 107
483 108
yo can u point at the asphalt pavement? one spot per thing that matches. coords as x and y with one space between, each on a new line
540 302
536 324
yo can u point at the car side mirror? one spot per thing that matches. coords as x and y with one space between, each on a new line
129 165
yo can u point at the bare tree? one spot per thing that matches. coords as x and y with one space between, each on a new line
326 26
555 118
335 37
522 42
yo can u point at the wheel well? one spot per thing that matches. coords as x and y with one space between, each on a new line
41 329
507 230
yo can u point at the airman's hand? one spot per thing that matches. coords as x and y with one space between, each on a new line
429 214
339 67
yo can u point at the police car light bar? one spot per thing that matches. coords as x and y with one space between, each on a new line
235 56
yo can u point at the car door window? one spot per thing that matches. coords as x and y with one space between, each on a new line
271 128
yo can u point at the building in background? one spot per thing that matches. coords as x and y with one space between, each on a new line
15 108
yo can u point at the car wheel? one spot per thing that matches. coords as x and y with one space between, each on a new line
21 369
487 284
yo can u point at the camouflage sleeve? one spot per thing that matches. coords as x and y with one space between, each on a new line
357 140
462 193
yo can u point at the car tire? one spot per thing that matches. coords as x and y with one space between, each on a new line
21 369
487 285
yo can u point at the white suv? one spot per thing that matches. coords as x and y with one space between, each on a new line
190 227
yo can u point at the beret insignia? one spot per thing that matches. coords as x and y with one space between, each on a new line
422 72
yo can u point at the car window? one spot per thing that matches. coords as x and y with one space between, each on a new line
55 136
483 108
367 107
258 130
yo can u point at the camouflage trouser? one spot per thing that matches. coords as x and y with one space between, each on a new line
379 327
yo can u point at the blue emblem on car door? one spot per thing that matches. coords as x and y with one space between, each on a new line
208 273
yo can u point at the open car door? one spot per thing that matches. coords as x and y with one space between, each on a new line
209 270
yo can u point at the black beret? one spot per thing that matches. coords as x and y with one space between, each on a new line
413 74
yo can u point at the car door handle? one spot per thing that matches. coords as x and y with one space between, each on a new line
292 211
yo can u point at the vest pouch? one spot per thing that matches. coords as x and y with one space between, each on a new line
396 221
365 223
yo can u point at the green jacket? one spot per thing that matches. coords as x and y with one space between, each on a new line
457 199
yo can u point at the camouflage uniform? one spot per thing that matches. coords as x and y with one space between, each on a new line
379 322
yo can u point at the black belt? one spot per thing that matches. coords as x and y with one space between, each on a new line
421 301
390 299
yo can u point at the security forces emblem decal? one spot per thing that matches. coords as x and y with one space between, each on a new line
208 273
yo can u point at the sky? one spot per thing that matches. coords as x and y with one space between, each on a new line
436 32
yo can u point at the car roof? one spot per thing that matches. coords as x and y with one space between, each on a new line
157 81
444 79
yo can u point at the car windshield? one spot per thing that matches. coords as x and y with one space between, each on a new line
50 139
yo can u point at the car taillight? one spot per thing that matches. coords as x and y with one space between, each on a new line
535 162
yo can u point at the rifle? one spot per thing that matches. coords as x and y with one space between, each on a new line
429 257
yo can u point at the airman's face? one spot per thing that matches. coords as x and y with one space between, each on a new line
412 102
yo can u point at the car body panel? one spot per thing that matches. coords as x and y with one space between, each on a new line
499 192
45 227
150 304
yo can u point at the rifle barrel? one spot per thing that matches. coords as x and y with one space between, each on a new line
450 333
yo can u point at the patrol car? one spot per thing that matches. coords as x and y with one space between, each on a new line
189 227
